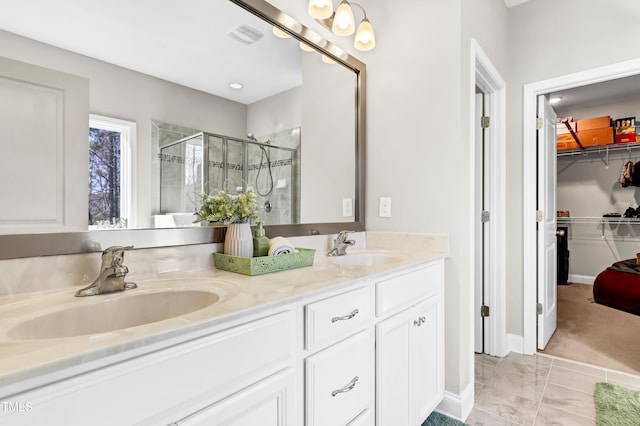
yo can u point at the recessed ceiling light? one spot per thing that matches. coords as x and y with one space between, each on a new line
236 85
555 100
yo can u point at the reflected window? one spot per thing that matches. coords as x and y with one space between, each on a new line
110 162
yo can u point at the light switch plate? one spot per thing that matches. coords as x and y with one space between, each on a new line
385 207
347 207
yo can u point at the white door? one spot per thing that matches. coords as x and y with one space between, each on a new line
546 233
394 401
482 287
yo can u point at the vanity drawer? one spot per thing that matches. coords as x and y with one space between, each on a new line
340 381
337 317
405 290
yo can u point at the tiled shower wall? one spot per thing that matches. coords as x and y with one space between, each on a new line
280 185
285 170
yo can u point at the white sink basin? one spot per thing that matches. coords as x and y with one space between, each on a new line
93 315
366 258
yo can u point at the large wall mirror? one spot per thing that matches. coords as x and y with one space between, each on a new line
293 131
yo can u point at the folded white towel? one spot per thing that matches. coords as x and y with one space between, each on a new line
280 245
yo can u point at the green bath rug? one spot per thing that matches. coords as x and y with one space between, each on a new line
437 419
616 406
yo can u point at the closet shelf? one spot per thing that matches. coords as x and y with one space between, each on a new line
602 228
608 220
599 149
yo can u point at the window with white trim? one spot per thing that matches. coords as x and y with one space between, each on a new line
111 152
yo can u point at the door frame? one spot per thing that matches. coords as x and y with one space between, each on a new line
530 93
488 79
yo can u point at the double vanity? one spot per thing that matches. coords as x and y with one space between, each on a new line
352 340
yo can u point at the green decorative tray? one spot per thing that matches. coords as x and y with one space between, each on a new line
264 264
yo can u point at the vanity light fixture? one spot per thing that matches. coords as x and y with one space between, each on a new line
342 23
280 33
304 46
236 85
328 60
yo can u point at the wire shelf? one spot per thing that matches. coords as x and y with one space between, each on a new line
591 228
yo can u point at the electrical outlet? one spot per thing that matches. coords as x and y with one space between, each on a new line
385 207
347 207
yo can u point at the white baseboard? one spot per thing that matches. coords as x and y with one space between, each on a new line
515 343
581 279
458 406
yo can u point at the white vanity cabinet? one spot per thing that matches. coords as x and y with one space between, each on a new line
410 346
233 376
369 353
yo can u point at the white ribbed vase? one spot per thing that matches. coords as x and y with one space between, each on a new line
238 240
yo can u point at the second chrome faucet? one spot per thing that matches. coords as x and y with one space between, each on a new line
340 244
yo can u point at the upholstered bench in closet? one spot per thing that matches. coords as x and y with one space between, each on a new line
618 286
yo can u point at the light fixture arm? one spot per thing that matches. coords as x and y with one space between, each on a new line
364 12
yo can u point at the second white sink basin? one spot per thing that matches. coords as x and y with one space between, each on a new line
365 258
93 315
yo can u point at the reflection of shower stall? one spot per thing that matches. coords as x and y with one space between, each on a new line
233 165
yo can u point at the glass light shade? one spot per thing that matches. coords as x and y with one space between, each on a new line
279 33
320 9
304 46
365 38
328 60
343 22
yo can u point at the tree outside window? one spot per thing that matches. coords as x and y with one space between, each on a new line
104 177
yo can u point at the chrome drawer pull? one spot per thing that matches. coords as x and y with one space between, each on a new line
351 385
346 317
419 321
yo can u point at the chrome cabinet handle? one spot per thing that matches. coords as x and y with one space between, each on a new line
346 317
351 385
419 321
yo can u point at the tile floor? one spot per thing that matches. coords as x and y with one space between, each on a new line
538 390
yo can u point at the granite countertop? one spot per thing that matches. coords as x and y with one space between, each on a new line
24 362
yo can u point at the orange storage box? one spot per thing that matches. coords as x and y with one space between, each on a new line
594 123
596 137
565 141
587 138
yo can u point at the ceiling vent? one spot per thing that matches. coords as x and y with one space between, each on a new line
245 34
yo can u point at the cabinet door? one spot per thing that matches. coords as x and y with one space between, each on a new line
427 372
393 355
267 403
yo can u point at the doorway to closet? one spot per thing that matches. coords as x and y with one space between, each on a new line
585 82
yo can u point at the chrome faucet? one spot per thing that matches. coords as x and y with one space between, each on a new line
112 273
340 244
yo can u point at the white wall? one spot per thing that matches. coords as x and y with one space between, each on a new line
552 38
128 95
275 113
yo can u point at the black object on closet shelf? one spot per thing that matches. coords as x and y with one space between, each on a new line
612 214
631 212
635 174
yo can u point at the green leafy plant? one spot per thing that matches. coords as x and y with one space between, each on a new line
224 208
